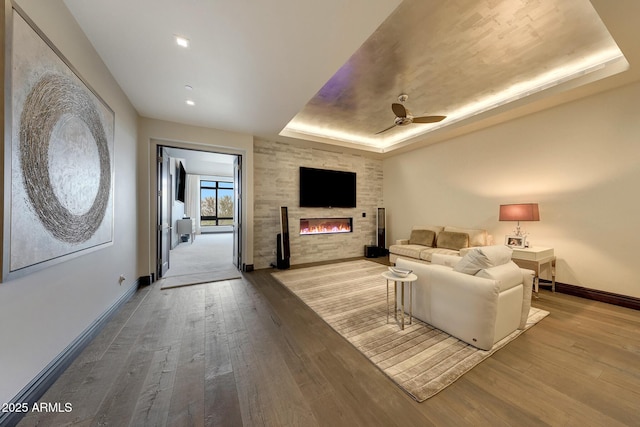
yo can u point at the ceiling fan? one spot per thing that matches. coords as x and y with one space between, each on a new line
404 117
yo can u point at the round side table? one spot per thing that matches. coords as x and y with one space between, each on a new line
402 280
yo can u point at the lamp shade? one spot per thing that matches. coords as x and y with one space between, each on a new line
519 212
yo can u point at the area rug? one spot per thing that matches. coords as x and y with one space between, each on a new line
198 278
351 298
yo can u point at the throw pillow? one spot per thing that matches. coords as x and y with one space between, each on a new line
497 254
483 257
452 240
422 237
477 237
507 275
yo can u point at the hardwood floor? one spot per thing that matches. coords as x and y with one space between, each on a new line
248 352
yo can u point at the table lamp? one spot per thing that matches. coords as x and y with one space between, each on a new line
519 212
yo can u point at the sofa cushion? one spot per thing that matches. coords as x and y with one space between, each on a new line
507 275
434 228
482 257
411 251
427 254
422 237
452 240
444 259
477 237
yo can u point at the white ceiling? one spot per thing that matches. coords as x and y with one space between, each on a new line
204 162
328 71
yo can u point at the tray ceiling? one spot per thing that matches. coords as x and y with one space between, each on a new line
329 71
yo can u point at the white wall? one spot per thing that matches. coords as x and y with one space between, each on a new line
580 161
152 133
43 312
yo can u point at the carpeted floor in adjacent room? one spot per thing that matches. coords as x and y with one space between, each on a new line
208 259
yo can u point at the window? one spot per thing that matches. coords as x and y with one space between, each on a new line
216 203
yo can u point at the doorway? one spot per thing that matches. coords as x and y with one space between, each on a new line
199 212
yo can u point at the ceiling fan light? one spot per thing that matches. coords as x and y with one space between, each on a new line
403 121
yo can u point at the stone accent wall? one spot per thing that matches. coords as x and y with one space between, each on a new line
276 183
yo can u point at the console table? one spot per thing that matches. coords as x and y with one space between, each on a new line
533 259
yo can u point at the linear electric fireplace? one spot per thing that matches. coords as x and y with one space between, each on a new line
325 225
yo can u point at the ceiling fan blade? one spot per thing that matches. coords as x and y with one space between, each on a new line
384 130
399 109
428 119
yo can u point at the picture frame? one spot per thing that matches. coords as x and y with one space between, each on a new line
58 155
514 241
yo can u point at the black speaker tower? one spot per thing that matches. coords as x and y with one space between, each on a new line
381 221
282 244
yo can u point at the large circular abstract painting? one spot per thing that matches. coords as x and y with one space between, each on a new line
61 158
55 112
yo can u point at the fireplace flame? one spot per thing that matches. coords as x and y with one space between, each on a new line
325 226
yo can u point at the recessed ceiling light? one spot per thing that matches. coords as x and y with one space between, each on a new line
182 41
188 87
190 102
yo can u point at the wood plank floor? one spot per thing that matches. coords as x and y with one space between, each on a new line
248 352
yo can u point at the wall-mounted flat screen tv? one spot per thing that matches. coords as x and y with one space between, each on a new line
323 188
181 181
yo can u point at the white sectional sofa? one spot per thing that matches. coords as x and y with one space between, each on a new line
479 298
427 240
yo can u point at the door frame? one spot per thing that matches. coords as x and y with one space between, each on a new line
163 206
155 143
237 213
